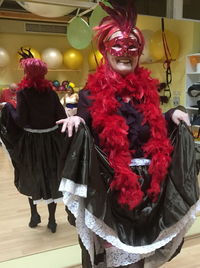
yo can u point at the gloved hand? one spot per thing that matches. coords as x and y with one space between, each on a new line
179 116
70 123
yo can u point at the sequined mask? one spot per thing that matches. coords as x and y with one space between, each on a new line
123 46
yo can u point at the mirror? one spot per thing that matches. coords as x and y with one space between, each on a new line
17 239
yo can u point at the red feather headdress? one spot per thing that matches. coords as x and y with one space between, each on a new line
122 17
35 71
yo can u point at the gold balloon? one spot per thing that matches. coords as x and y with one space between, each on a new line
71 84
72 59
156 45
34 52
92 61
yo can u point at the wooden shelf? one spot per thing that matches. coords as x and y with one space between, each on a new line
193 54
55 70
192 108
197 73
63 70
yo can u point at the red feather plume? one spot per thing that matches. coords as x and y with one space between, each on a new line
123 12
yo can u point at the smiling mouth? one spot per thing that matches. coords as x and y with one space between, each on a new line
124 61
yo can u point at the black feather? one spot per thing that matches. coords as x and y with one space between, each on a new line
25 53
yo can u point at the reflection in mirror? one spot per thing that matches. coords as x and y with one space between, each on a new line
17 239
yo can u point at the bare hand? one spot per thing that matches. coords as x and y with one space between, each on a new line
179 116
70 123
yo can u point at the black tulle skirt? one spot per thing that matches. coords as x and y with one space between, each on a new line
37 158
153 231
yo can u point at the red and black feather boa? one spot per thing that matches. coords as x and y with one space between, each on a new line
105 85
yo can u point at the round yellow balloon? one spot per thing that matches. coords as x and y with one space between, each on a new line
71 84
156 45
72 59
92 61
34 52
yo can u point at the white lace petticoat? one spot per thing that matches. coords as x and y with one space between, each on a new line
119 254
47 201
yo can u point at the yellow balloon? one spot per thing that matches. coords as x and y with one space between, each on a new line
71 85
34 52
72 59
156 45
92 61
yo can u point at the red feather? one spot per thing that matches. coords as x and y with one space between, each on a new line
123 12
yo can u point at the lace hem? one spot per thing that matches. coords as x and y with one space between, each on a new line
48 201
69 186
106 233
121 254
116 257
159 259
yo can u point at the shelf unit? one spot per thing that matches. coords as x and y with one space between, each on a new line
192 76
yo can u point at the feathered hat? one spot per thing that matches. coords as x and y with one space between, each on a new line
122 17
34 69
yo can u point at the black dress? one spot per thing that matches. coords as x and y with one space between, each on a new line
115 236
34 142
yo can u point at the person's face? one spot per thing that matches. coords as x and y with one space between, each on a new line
70 91
122 53
13 87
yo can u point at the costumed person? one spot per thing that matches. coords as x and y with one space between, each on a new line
33 140
9 94
131 192
70 100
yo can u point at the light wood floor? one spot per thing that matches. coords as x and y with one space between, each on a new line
16 238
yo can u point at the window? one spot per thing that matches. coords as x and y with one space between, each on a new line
152 7
191 9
